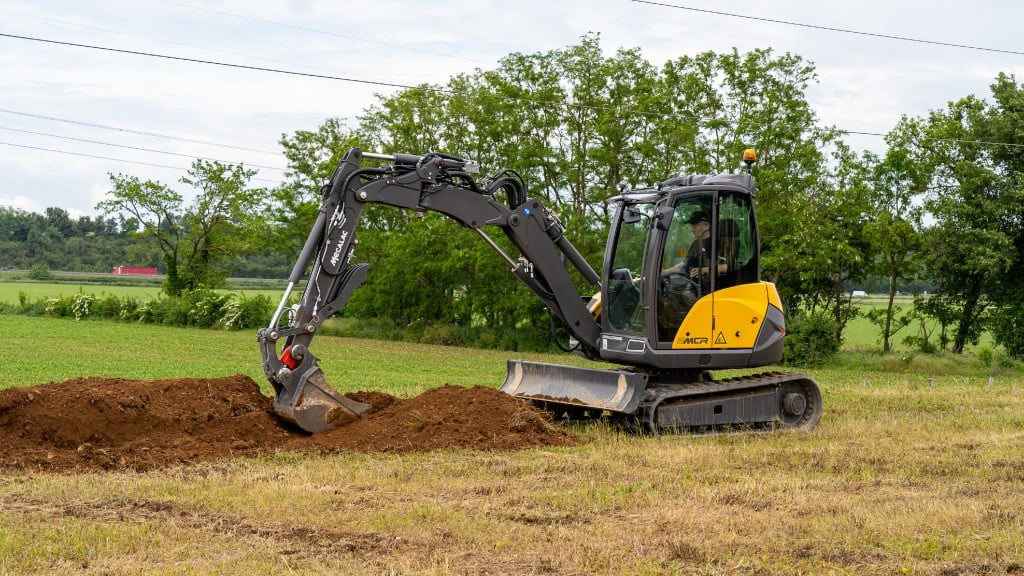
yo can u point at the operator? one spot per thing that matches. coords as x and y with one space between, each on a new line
681 283
697 255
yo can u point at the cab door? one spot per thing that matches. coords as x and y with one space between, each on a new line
683 308
738 297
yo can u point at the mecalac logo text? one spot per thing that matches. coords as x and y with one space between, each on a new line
336 256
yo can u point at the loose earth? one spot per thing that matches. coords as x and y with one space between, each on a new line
89 424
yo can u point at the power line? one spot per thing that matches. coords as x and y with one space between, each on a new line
831 29
315 30
137 36
130 131
210 62
405 86
86 140
96 156
932 138
288 72
175 43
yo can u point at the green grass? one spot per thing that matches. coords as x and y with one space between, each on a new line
860 335
909 472
62 348
10 292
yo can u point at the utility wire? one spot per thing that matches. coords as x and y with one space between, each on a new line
211 62
153 164
146 38
314 30
979 142
290 72
397 85
134 148
130 131
831 29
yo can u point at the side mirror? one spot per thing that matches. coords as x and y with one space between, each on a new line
663 218
631 215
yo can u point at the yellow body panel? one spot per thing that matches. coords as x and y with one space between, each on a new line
594 306
728 318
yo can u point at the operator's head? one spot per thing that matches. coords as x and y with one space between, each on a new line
697 217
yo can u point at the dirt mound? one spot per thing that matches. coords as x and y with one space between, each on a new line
110 423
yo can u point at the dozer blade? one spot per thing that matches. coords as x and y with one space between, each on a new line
614 390
316 407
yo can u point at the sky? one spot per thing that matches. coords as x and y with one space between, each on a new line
71 115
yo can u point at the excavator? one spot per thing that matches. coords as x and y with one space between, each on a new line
679 295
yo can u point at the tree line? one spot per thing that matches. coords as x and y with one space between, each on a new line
56 240
940 206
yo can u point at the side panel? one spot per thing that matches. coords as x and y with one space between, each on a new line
728 318
739 313
695 332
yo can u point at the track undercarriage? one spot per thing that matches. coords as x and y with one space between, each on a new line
677 402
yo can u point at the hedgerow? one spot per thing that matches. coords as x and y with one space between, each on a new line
198 308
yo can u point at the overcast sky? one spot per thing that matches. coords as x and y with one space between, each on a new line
70 115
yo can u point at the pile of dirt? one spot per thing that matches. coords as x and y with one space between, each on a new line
111 423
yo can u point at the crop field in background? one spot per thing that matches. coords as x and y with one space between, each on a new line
10 291
860 334
919 470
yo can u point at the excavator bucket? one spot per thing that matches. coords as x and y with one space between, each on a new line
572 387
316 407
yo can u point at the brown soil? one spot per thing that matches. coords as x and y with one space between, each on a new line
109 423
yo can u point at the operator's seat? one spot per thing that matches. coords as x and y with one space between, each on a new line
623 298
728 249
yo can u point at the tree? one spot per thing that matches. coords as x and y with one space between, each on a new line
969 251
893 232
219 222
1006 124
575 123
312 157
813 238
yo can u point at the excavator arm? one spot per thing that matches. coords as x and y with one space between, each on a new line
434 182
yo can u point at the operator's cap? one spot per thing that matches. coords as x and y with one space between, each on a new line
698 216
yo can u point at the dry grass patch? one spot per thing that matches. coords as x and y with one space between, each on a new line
899 478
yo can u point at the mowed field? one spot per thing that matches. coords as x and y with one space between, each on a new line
860 334
12 291
908 472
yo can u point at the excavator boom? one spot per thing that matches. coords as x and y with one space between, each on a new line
435 182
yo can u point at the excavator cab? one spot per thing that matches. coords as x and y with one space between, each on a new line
681 295
682 280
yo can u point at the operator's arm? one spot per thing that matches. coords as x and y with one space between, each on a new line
676 268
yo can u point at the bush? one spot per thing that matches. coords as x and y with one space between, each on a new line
39 272
205 307
985 356
810 340
1006 331
59 306
244 312
441 334
81 305
109 306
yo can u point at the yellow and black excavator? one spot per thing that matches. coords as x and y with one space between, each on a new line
679 295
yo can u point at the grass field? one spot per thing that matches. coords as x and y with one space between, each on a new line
11 289
919 470
860 334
